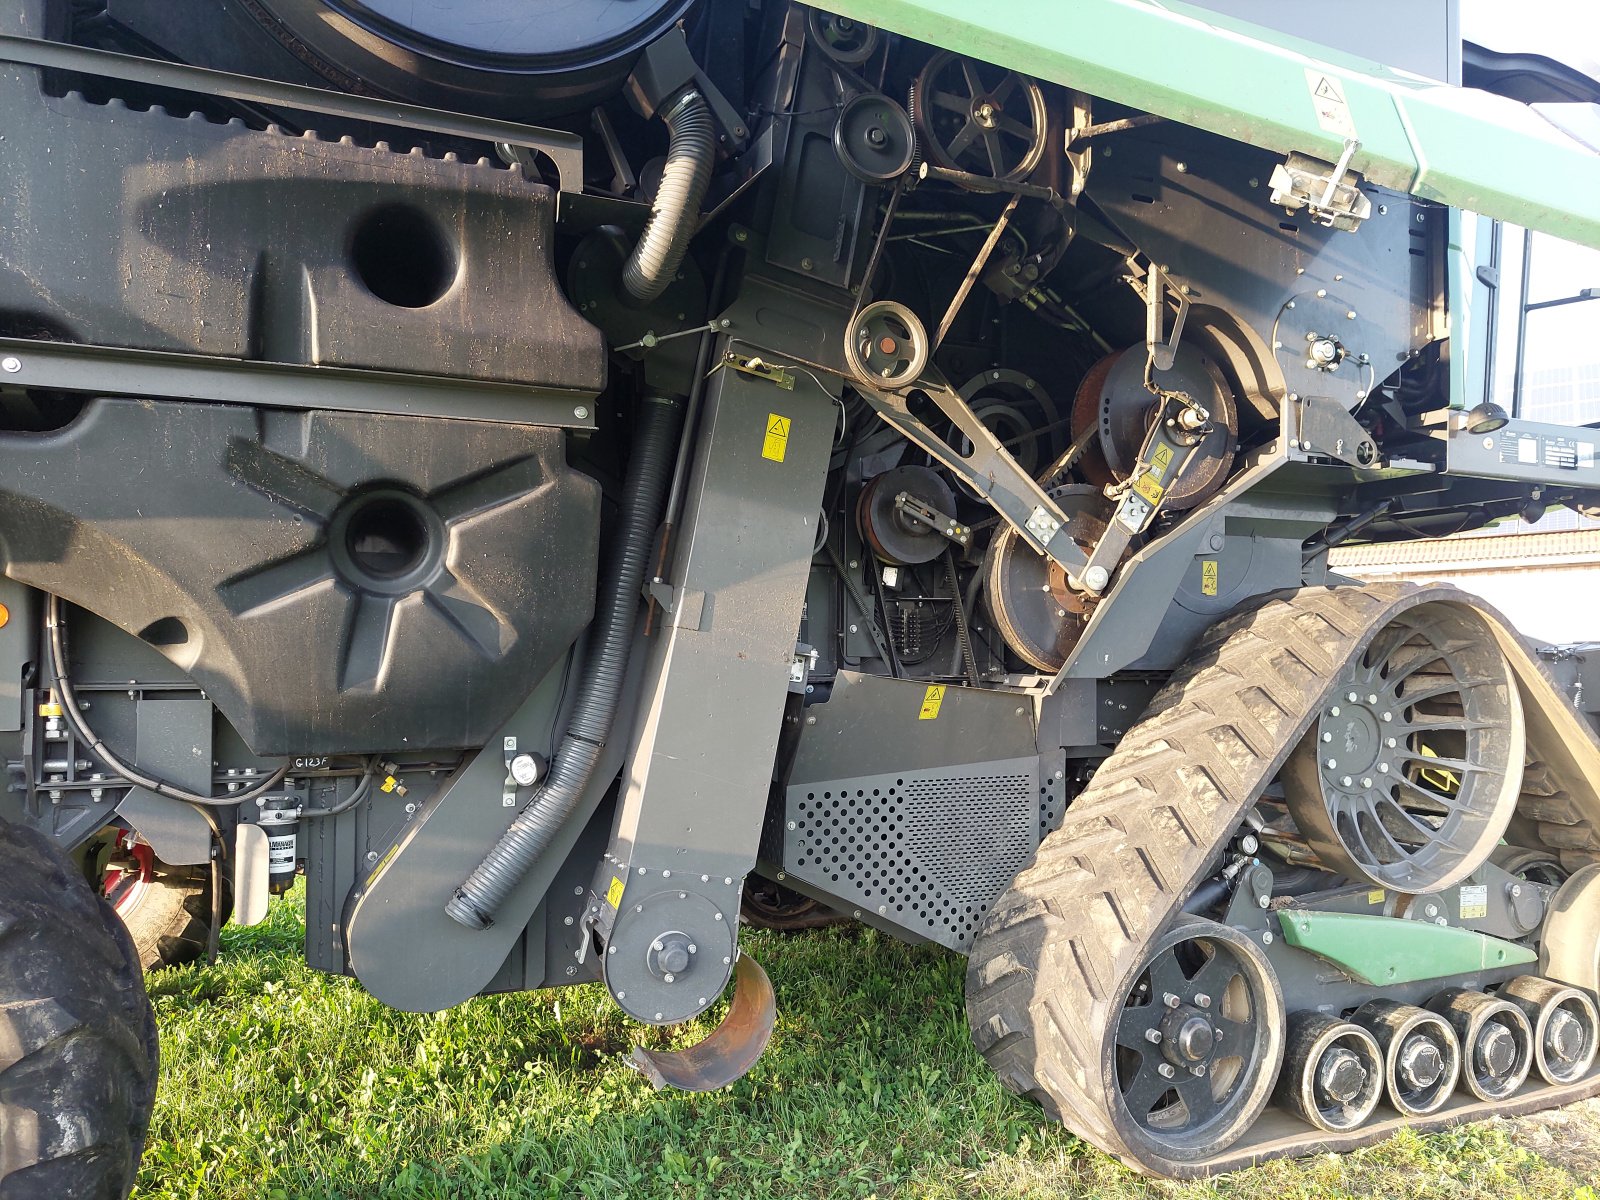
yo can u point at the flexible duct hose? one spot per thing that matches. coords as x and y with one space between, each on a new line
610 639
676 211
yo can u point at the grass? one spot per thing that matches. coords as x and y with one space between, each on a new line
280 1083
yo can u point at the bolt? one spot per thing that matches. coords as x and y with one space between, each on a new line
1431 909
1366 781
806 264
1170 1000
1352 697
1263 901
853 629
1165 1070
1182 168
1351 315
372 856
741 235
791 825
1266 937
1334 711
670 977
1198 1072
566 921
11 363
1202 1000
1327 737
1333 764
658 1016
1516 890
1096 578
1372 699
1387 717
1153 1036
622 995
581 412
572 970
1390 742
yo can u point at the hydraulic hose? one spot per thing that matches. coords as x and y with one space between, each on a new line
691 144
610 639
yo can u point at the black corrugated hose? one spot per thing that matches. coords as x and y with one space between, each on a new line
610 640
691 147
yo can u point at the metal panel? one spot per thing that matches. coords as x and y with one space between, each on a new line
925 850
1453 145
1530 450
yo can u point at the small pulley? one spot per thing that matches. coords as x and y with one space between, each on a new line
907 516
873 138
845 40
886 345
975 117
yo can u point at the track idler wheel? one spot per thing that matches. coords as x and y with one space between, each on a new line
1565 1026
1197 1042
1421 1057
1412 771
1496 1041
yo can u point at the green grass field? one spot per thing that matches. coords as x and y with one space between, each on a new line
278 1082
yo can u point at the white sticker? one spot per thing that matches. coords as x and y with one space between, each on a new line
1327 98
1527 449
1474 901
1586 454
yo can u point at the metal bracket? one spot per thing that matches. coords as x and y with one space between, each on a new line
754 366
989 469
1331 193
1163 350
925 514
1324 427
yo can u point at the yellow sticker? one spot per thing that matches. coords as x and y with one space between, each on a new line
776 444
389 784
931 700
1148 487
50 709
614 893
1208 577
1375 896
383 864
1160 461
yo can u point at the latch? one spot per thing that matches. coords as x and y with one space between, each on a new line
753 365
1332 194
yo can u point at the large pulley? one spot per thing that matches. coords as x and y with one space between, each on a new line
978 118
1030 602
1113 409
1412 771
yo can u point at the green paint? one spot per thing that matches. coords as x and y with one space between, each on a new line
1380 950
1456 146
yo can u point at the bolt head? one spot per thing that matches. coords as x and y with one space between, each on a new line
1334 711
1153 1036
1202 1000
581 412
1333 764
11 364
1165 1070
1352 697
1366 781
1327 737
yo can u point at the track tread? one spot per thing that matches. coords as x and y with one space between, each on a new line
1139 836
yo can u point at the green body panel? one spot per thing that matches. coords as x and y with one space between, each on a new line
1384 950
1457 146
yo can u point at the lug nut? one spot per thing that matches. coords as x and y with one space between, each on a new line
1153 1036
1165 1070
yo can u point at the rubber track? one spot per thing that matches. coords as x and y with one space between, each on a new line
1060 947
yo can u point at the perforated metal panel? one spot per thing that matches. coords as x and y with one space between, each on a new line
925 850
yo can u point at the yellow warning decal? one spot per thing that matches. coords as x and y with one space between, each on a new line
1375 896
1160 461
614 893
1148 486
1208 577
776 444
50 709
389 784
931 700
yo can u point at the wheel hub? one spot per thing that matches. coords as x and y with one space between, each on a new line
1563 1036
1352 740
1340 1077
1188 1037
1420 1063
1496 1052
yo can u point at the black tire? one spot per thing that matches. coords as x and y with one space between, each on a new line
78 1053
169 918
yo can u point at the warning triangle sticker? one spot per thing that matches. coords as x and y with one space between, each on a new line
1327 91
779 427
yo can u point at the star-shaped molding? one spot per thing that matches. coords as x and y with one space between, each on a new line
375 609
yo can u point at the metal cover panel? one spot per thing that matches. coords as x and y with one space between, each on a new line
926 850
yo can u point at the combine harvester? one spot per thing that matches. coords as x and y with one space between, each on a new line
541 469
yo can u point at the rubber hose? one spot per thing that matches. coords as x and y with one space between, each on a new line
676 212
595 708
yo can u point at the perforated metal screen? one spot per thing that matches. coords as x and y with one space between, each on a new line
926 850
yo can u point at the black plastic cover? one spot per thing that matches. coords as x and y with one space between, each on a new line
336 582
